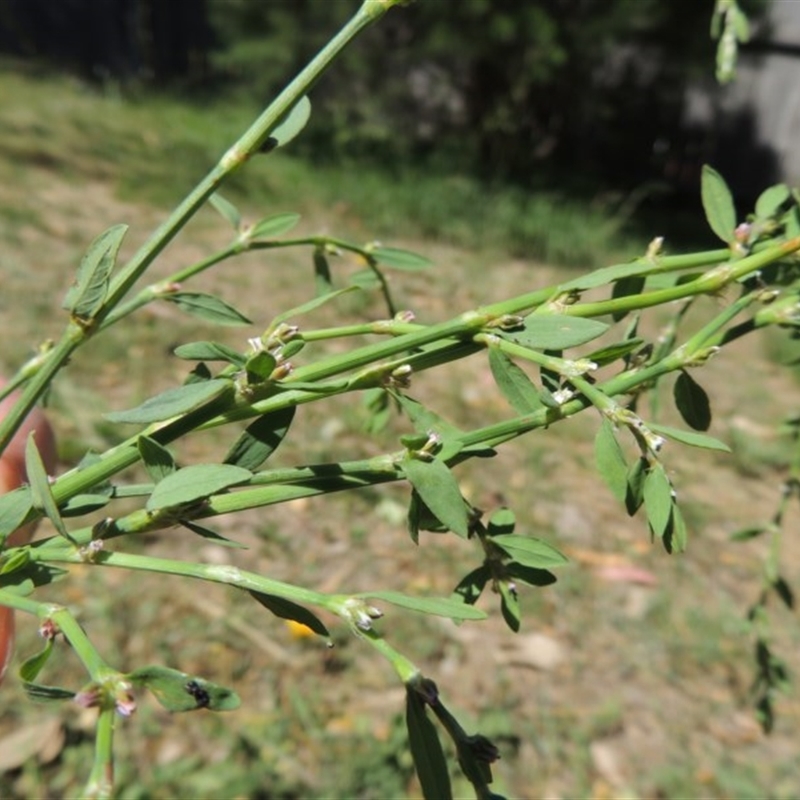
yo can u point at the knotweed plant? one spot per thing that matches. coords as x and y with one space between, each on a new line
252 394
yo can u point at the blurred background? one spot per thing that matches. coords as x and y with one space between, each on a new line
616 95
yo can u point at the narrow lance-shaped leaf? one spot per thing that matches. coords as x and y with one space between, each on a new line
311 305
556 331
88 294
676 535
273 226
509 605
690 437
426 750
437 606
286 609
322 273
226 210
439 490
530 551
210 351
396 258
211 536
610 461
195 482
41 492
173 402
14 507
718 204
513 383
260 439
207 307
692 402
657 494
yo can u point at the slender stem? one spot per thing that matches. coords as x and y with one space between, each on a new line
100 785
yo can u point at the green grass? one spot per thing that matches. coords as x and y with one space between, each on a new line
154 148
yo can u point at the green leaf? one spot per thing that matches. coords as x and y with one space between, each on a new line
212 536
745 534
322 273
396 258
556 331
41 492
625 287
209 351
87 295
676 536
770 200
195 482
46 694
14 507
286 609
529 551
471 586
692 402
260 439
610 461
421 518
529 575
177 691
513 382
274 226
636 478
173 402
426 750
437 606
501 522
658 503
260 366
32 666
289 125
207 307
82 504
718 204
690 437
509 605
439 490
425 420
158 461
21 577
227 210
784 592
311 305
604 275
609 354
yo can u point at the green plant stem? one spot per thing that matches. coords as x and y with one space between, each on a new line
100 785
80 643
223 574
407 671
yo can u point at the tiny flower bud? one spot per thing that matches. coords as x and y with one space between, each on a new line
405 316
654 248
48 629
